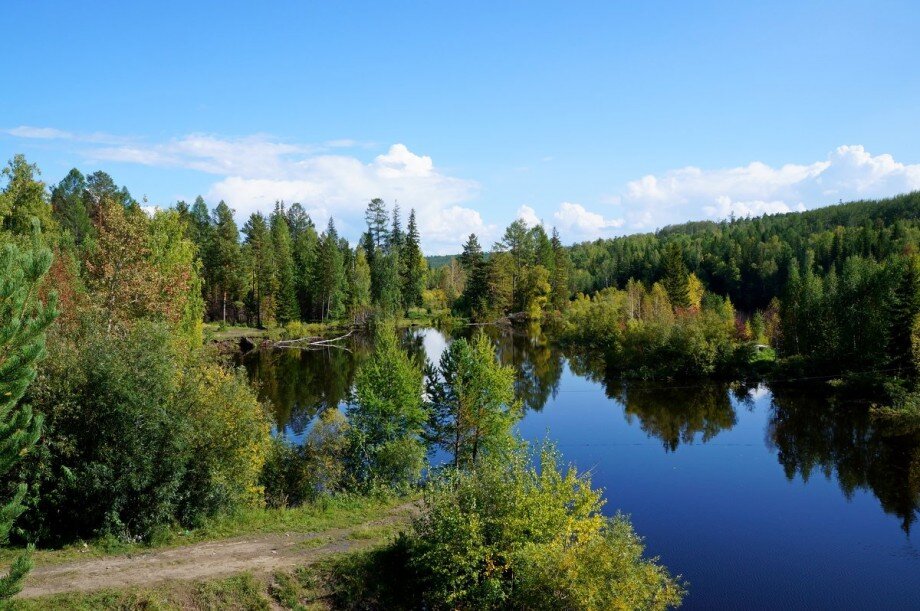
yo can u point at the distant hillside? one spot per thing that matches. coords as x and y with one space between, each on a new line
749 259
436 261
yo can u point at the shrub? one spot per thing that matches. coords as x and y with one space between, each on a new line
138 435
517 535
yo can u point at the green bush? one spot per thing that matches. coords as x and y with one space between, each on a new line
514 534
296 474
138 435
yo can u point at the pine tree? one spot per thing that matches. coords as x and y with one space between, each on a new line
286 307
225 260
376 217
473 262
68 205
359 286
329 273
560 274
304 242
414 266
261 257
676 276
903 310
23 320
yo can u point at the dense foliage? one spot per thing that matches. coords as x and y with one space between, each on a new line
523 532
142 426
23 321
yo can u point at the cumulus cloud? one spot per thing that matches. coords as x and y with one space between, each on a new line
529 216
576 221
253 172
849 172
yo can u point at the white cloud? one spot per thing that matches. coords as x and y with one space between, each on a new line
849 172
253 172
43 133
51 133
529 216
257 170
579 223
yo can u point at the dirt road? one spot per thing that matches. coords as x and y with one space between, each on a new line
255 554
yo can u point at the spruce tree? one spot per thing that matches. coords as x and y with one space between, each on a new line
261 257
329 273
560 276
676 279
23 320
224 260
414 265
286 307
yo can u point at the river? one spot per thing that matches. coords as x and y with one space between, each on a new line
787 496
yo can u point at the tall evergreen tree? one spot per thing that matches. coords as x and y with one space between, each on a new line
286 307
676 277
259 251
560 276
23 320
224 261
359 286
414 266
376 217
330 273
903 310
304 243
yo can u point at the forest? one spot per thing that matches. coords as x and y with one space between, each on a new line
120 422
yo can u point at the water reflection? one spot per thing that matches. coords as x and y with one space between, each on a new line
820 432
809 429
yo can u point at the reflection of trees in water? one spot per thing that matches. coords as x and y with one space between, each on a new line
674 415
817 432
677 415
537 363
301 383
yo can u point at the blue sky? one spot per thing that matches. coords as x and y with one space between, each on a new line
601 118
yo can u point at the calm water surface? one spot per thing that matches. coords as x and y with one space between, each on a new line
783 497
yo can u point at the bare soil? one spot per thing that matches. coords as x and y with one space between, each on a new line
260 554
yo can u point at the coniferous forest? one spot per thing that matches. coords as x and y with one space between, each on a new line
123 423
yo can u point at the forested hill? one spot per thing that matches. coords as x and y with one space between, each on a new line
749 259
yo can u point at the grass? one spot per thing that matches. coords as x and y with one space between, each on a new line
217 333
240 592
334 512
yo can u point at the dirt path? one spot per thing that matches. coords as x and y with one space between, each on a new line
202 561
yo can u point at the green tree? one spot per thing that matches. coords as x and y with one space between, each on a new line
258 249
377 220
69 205
560 274
225 259
470 401
23 199
330 273
23 321
286 306
414 266
676 276
359 287
518 243
388 417
304 243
